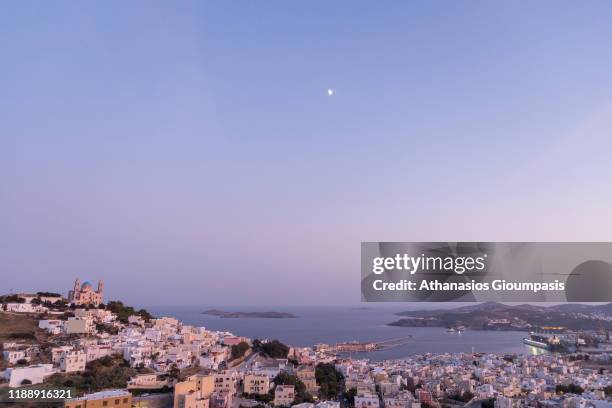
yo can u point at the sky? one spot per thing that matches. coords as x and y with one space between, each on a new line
188 153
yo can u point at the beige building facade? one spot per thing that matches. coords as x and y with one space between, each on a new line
102 399
195 392
284 395
306 374
256 384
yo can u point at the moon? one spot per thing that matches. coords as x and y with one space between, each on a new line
330 92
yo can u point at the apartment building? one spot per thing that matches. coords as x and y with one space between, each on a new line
195 392
80 325
221 399
226 381
306 374
366 400
284 395
256 384
102 399
72 361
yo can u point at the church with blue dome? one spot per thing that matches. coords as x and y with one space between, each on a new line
85 294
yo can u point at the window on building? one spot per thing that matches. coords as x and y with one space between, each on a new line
104 403
125 400
117 402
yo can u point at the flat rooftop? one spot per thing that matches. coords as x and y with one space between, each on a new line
103 394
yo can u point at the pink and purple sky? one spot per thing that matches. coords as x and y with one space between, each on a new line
189 153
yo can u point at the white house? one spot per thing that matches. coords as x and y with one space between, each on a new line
56 353
270 367
13 356
34 374
52 326
137 320
137 355
153 334
25 308
328 404
366 400
208 362
72 361
146 381
96 351
98 315
79 325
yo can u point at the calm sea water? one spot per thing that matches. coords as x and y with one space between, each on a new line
338 324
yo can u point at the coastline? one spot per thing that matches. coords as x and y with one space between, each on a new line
331 325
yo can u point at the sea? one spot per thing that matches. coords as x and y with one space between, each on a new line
331 325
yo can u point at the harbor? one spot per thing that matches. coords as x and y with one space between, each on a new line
561 340
365 347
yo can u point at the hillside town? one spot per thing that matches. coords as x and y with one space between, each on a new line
116 356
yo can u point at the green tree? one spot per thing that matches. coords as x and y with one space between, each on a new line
48 294
350 396
274 348
13 299
265 398
239 349
329 380
123 311
463 397
301 394
569 389
174 372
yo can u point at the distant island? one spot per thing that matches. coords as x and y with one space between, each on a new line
498 316
239 315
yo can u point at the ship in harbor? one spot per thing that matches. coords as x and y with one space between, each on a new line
537 341
549 342
457 330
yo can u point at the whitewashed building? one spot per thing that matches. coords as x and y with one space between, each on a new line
52 326
13 356
34 374
72 361
25 308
